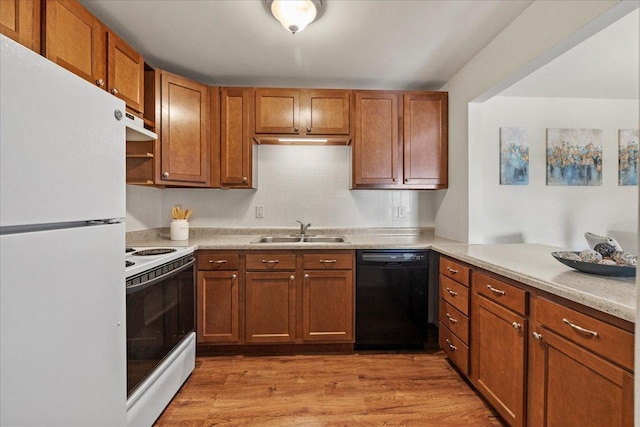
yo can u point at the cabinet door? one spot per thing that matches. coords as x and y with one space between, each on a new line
498 357
270 311
425 139
185 132
570 386
277 111
218 307
376 140
75 40
328 306
125 72
326 112
20 21
236 137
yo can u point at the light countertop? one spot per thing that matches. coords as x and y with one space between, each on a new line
530 264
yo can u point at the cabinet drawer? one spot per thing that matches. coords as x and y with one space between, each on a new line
271 261
456 271
500 292
457 351
455 294
218 261
455 321
602 338
328 261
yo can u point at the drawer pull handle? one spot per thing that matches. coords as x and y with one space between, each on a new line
270 261
581 329
451 346
496 291
452 292
451 319
328 261
537 336
516 325
452 271
218 261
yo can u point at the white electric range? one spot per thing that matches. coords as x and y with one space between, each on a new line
146 258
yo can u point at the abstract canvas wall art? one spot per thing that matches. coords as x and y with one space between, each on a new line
514 156
574 157
628 157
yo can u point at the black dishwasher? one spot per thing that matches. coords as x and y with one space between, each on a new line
391 299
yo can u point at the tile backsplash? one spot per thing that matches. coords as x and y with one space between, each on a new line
306 183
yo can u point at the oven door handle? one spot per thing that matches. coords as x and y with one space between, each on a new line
145 285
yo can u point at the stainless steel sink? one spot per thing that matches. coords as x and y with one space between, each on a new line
300 239
278 239
325 239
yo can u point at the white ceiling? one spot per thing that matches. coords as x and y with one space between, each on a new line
606 65
374 44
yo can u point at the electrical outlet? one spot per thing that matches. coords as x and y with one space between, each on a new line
259 211
401 210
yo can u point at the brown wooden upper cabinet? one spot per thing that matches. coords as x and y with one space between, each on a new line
125 72
184 140
400 140
236 144
79 42
75 40
20 21
302 113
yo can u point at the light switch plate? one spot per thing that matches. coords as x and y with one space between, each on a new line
259 211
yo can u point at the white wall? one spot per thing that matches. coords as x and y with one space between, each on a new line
310 184
556 215
543 31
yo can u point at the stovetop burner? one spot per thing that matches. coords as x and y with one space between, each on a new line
128 263
154 251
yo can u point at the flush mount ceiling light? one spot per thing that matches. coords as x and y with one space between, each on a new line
295 15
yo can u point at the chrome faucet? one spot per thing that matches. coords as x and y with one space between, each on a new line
303 227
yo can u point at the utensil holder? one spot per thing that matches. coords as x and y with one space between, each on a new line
179 229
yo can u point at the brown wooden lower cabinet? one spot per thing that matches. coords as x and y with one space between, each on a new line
270 307
218 307
275 297
328 306
537 359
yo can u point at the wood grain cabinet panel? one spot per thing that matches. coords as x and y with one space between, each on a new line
425 139
236 143
376 144
184 147
125 72
20 21
75 40
328 306
270 307
326 111
571 386
277 111
498 357
218 308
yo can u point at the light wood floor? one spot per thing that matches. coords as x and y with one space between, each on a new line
360 389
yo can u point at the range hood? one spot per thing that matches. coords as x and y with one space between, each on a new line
136 130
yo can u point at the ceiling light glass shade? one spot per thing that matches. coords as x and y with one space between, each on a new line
295 15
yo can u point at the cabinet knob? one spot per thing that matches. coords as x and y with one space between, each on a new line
165 175
306 276
395 179
292 277
537 336
309 129
406 180
100 82
234 276
295 129
516 325
114 91
245 179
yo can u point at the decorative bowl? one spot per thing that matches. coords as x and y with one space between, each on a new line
593 268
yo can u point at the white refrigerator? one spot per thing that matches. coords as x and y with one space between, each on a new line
62 240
